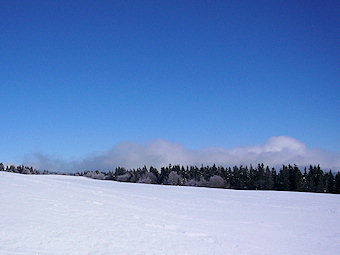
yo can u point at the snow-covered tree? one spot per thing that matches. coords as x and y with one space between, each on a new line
174 179
216 181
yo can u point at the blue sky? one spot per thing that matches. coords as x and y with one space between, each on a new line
79 77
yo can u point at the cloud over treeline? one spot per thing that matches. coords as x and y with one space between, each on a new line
275 152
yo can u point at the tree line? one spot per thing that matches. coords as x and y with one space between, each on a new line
261 177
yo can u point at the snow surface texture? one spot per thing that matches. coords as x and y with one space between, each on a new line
75 215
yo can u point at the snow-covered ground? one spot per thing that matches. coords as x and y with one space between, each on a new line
75 215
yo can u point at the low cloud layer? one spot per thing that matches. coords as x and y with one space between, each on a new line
275 152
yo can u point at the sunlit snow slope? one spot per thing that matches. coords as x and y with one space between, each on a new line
75 215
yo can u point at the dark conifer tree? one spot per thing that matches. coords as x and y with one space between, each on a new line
295 178
119 171
252 177
304 184
312 179
320 184
330 182
155 172
283 179
235 179
269 183
274 177
165 171
244 177
337 183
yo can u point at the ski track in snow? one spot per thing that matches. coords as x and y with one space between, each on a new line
75 215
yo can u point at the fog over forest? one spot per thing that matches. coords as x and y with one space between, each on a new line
158 153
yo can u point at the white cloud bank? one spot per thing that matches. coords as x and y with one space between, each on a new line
275 152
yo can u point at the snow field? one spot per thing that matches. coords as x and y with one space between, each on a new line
49 214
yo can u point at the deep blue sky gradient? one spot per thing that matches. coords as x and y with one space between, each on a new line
81 76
